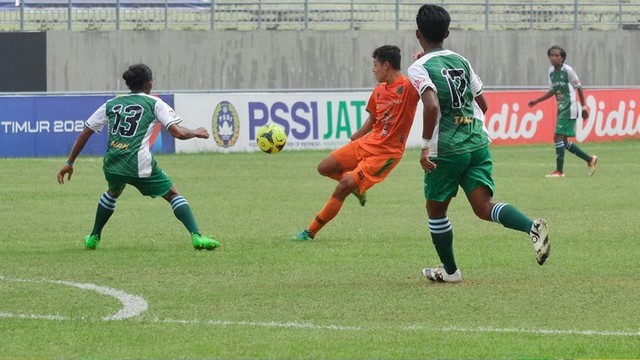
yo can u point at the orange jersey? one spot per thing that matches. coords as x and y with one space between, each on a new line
392 108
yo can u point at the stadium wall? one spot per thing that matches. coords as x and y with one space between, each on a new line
229 60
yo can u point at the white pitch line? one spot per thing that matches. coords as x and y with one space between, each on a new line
132 305
531 331
406 328
312 326
7 315
260 324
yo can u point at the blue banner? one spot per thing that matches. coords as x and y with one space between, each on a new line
43 125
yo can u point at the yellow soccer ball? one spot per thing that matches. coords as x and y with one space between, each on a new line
271 138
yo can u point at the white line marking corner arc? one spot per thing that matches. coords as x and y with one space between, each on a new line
132 305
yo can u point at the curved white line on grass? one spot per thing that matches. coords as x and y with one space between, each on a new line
132 305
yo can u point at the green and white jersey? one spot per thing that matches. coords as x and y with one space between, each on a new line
460 124
564 83
130 119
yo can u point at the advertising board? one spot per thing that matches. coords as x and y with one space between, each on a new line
326 120
47 125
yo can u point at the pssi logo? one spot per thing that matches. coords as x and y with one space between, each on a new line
225 124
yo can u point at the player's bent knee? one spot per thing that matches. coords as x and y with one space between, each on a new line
345 187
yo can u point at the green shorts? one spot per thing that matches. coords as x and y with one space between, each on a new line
566 127
468 170
158 184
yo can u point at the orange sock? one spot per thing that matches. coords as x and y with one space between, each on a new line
328 212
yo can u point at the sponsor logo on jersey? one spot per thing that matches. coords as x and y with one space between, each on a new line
225 125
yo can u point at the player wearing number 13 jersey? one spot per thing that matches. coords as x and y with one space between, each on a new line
130 120
455 146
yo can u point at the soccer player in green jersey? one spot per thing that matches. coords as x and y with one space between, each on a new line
455 145
130 120
564 83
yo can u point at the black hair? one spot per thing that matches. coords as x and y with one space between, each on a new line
390 54
433 22
136 76
563 54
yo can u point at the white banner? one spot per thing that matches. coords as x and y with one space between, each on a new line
312 120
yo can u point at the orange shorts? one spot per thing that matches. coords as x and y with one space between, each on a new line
367 169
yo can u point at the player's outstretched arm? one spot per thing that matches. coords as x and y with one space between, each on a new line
183 133
542 98
67 168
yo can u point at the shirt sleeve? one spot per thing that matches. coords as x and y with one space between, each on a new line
549 72
420 78
371 104
98 119
165 114
476 82
573 78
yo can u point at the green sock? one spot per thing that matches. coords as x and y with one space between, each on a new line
442 237
106 207
182 211
560 156
510 217
573 148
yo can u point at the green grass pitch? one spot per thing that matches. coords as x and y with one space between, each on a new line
355 292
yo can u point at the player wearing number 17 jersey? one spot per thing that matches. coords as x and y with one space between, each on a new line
455 145
130 120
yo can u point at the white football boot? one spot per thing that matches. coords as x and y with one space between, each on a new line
438 274
540 239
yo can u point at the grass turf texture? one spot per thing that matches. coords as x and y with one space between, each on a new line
354 292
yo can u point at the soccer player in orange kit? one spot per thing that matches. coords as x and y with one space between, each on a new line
377 147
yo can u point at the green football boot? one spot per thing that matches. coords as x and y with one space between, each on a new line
362 198
204 243
304 235
91 242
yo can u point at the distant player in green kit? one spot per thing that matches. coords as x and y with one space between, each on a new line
130 120
564 83
455 145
